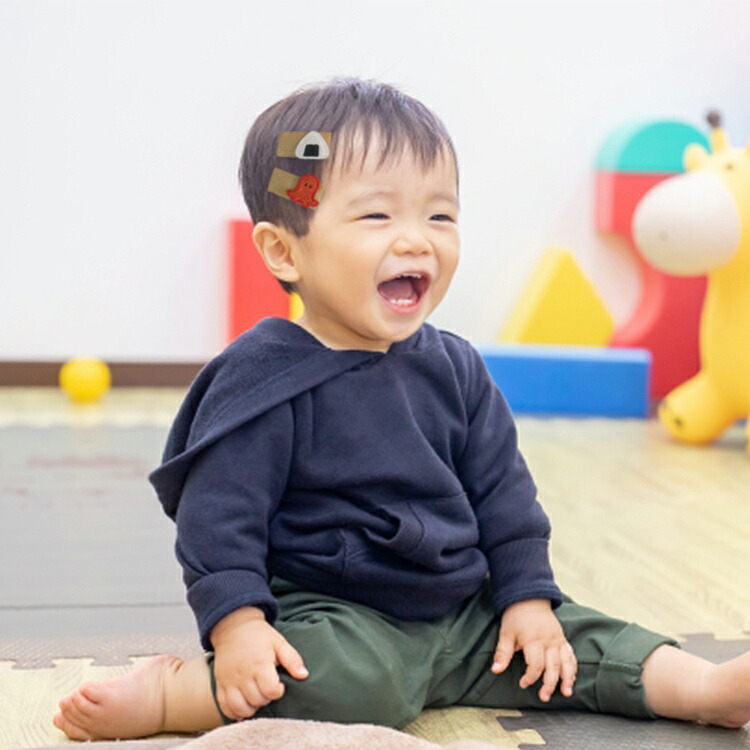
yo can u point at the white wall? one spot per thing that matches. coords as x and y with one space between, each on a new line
121 125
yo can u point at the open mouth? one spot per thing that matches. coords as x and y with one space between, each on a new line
405 290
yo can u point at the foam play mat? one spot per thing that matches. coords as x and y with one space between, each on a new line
90 585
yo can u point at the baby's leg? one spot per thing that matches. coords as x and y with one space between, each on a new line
610 654
683 686
365 667
165 694
627 670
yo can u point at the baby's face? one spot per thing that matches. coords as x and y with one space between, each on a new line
381 251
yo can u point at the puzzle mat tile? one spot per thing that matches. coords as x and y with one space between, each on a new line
446 725
576 730
33 638
34 729
583 731
28 698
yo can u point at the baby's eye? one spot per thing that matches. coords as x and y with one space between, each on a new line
375 216
442 217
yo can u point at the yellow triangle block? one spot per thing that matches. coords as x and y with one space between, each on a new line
559 306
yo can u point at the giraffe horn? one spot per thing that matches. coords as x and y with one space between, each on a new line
717 137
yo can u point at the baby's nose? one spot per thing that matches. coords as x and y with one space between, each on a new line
413 242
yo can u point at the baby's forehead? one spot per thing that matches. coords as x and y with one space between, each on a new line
361 166
352 187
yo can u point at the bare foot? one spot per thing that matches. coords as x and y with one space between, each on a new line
164 694
683 686
728 688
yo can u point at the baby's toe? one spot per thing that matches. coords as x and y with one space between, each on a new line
92 691
73 711
82 709
66 705
72 730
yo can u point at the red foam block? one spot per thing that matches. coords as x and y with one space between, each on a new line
617 195
253 291
666 319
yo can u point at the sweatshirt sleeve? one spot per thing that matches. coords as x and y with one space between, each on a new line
514 529
227 501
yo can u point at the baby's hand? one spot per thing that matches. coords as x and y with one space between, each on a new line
531 627
247 651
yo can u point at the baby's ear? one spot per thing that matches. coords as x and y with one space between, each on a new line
275 245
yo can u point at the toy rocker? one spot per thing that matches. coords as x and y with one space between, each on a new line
695 223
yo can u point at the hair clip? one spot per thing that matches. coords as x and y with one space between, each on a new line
301 190
304 145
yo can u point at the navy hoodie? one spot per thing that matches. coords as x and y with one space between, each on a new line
389 479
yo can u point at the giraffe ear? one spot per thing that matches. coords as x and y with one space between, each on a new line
694 157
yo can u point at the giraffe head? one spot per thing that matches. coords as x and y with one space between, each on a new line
693 223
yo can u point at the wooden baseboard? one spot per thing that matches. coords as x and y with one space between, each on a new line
124 374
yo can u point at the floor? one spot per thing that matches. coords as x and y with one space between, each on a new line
643 528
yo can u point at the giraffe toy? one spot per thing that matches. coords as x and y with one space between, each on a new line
695 223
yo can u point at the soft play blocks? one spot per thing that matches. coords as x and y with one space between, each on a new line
559 306
253 291
635 158
572 381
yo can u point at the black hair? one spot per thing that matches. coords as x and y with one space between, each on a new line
347 108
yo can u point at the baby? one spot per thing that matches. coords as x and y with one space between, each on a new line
359 534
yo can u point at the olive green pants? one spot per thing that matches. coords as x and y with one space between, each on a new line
371 668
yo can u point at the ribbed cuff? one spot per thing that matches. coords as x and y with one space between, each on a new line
213 597
619 687
521 570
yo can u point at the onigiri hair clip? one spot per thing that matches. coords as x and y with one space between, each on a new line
306 144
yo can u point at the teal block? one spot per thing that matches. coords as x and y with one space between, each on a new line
648 146
574 381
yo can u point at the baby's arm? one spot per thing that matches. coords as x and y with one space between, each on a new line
247 651
514 530
514 535
530 626
223 521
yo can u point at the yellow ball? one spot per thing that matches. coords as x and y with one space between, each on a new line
85 379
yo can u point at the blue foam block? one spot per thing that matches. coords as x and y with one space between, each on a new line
571 380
